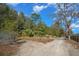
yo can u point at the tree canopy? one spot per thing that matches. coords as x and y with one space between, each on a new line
33 25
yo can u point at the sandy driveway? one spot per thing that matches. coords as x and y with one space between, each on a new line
54 48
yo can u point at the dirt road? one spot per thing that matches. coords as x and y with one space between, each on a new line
54 48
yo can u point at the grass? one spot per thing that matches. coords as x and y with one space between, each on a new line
38 39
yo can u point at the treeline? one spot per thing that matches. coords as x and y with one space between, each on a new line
11 21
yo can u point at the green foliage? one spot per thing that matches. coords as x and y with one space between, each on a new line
20 23
57 30
8 25
31 25
28 32
35 18
41 32
41 29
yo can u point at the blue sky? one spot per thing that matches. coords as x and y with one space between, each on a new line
44 9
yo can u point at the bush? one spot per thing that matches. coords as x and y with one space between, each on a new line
28 32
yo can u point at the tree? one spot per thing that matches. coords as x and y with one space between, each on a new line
20 23
7 18
65 14
35 18
7 24
33 21
41 28
56 29
4 10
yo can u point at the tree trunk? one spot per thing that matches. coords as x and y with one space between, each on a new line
68 34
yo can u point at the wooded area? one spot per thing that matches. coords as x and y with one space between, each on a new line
17 24
14 26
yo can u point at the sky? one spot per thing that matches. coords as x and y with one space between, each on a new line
44 9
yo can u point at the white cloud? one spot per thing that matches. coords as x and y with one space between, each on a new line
38 8
74 25
13 4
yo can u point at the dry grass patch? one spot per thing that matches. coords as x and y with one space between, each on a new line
8 50
73 43
38 39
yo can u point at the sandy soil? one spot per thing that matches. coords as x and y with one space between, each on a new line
57 47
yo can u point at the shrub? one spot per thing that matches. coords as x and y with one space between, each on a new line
28 32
